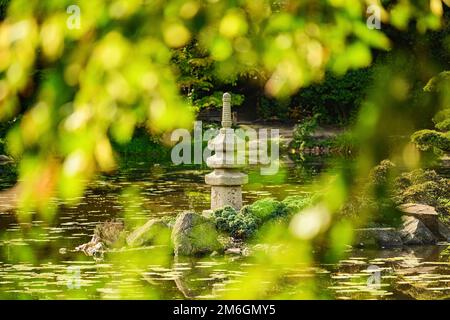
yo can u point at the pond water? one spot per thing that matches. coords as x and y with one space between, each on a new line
38 261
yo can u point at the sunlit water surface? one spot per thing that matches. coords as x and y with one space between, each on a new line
39 261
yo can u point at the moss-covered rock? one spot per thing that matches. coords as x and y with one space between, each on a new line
154 231
194 234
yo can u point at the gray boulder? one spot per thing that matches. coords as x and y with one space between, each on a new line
429 217
194 234
444 231
378 237
414 232
153 231
425 213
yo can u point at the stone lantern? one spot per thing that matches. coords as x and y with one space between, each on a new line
226 180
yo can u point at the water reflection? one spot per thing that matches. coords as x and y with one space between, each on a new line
408 273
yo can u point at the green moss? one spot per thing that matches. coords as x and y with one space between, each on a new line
243 224
203 235
153 232
443 125
169 220
438 82
239 224
442 115
194 234
268 208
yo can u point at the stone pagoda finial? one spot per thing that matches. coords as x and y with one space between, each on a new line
226 181
226 110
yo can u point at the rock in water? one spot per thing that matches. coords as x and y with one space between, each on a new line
378 237
426 214
154 231
93 248
110 233
194 234
444 231
414 232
